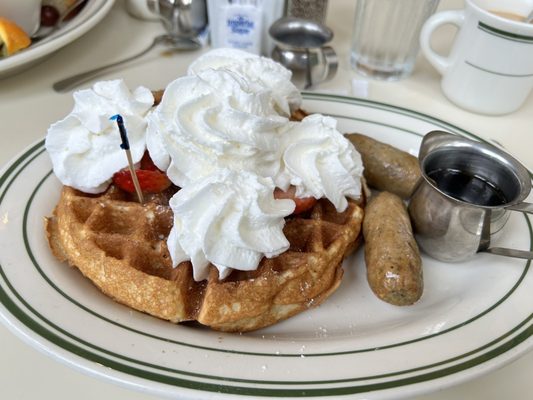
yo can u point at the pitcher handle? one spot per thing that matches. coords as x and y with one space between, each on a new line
332 62
503 251
523 207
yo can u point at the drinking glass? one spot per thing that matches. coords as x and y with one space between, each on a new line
385 36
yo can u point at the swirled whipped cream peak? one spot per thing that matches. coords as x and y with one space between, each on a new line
85 146
229 219
260 72
214 119
319 161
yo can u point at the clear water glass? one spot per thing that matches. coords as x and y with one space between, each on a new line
385 40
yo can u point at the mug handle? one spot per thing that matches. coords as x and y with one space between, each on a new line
454 17
503 251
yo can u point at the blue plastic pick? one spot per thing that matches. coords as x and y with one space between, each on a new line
122 129
125 145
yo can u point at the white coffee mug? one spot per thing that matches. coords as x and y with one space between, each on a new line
490 67
25 13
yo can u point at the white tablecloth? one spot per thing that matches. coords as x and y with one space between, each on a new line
28 105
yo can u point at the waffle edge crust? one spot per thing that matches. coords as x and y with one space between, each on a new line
120 245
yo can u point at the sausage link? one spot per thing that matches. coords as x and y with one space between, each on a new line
386 167
393 263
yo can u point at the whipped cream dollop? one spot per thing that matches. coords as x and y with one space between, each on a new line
261 73
214 120
319 161
85 146
230 219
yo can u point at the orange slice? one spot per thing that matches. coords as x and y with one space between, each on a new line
12 37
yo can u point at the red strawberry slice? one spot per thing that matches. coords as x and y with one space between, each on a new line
302 203
150 181
147 163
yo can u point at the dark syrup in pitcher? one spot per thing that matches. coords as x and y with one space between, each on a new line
467 187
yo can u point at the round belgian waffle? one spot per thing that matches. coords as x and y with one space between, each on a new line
120 245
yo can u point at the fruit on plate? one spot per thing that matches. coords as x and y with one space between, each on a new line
302 203
151 179
61 6
12 37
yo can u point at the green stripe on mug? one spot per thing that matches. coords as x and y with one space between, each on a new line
505 35
498 73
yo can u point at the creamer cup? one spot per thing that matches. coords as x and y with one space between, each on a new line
460 205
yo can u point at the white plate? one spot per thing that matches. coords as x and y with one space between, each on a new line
89 16
473 317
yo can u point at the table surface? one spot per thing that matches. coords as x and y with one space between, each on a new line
25 373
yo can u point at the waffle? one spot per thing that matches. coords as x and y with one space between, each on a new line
120 245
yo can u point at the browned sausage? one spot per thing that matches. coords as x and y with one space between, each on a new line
386 167
393 263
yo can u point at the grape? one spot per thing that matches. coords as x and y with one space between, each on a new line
49 16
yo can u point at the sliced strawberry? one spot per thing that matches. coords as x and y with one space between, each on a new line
150 181
302 203
147 163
